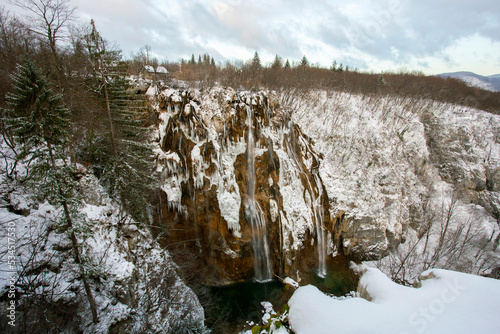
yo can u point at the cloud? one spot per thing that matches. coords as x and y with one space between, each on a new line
370 34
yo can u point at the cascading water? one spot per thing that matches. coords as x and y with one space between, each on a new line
253 213
319 215
317 206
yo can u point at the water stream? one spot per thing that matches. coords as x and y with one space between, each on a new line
316 203
319 215
254 214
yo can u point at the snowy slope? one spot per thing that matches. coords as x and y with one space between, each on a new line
134 281
446 302
395 165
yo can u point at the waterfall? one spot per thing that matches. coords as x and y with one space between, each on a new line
319 214
320 233
316 204
254 214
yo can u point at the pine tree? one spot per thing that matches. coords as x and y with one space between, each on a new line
304 62
256 64
287 65
127 171
40 125
129 176
37 117
334 66
277 64
381 80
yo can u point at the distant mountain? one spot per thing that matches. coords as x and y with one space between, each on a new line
491 82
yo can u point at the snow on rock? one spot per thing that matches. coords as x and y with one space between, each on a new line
209 132
290 282
130 275
390 163
445 302
386 164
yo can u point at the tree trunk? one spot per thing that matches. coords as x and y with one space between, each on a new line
74 242
108 109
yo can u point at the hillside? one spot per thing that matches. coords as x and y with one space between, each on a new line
490 82
131 276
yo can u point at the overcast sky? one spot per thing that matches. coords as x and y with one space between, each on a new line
433 36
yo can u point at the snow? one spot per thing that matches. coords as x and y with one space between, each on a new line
161 69
378 168
446 302
211 112
127 269
228 191
298 213
230 203
291 282
152 91
490 82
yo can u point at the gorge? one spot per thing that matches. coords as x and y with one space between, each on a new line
252 196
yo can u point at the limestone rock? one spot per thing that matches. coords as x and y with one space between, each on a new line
209 132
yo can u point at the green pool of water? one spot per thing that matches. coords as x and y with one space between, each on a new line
235 304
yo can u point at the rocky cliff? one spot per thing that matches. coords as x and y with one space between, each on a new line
265 183
241 185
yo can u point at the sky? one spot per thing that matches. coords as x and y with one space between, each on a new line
432 36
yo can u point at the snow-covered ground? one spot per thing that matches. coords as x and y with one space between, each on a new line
446 302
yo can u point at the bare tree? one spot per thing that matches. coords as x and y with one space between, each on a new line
442 238
49 19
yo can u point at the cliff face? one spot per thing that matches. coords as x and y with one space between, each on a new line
254 188
417 179
241 186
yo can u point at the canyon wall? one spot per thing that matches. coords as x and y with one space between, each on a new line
257 184
241 186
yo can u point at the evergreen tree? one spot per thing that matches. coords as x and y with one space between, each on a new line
129 177
277 64
256 64
381 80
37 118
334 66
126 171
304 62
287 65
206 59
192 61
40 125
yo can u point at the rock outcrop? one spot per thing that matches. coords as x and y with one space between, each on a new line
233 160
